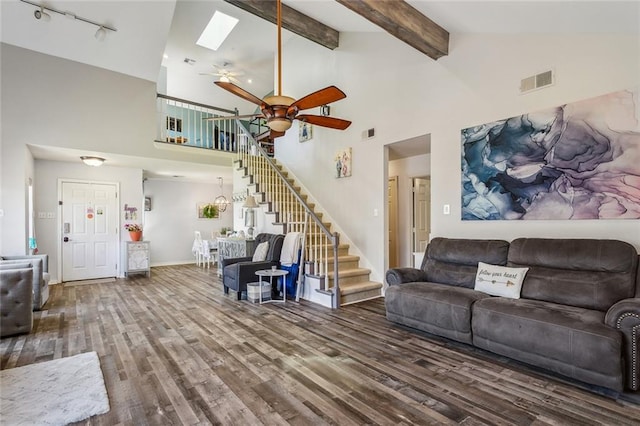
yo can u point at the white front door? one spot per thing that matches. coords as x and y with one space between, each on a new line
89 230
421 214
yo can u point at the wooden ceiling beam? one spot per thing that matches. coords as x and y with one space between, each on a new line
403 21
292 20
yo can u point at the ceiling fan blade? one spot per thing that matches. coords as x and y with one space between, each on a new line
238 91
321 97
320 120
231 117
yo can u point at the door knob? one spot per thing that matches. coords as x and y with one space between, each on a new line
66 239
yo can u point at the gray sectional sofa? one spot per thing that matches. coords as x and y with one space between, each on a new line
578 313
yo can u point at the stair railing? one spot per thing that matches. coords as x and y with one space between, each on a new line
291 209
183 122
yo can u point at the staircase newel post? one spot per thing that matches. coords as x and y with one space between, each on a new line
336 283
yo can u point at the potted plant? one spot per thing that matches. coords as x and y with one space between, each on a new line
210 211
135 231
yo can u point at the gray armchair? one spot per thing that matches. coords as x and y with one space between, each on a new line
16 305
40 263
238 271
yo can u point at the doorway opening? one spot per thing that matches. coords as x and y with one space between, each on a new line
408 163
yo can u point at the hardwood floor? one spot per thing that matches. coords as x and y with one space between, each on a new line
175 350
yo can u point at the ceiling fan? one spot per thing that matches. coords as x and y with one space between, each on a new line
224 73
280 111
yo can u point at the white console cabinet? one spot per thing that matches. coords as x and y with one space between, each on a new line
137 258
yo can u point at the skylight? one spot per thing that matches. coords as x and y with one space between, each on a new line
217 30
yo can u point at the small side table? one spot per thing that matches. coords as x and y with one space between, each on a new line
137 258
273 273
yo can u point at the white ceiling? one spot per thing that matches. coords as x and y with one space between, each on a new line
147 29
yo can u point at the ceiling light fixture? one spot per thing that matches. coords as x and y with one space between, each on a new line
41 14
224 78
92 161
221 201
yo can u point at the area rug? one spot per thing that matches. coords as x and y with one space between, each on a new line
55 392
85 282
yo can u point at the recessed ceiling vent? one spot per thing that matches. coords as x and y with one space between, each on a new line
537 81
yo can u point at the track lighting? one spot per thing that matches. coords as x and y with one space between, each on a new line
40 14
100 34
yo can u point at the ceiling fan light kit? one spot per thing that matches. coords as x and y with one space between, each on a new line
280 111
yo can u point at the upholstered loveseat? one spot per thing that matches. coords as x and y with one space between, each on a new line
578 314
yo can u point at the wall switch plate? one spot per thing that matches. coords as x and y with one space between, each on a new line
51 215
42 215
375 212
446 209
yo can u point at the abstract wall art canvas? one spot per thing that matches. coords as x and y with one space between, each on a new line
576 161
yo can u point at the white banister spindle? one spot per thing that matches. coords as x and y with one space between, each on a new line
291 208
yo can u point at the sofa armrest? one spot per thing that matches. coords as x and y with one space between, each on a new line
43 257
231 260
625 316
405 275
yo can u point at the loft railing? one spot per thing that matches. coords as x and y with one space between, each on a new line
294 213
184 122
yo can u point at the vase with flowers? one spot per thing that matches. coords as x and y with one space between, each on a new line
135 231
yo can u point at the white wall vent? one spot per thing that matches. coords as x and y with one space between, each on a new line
537 81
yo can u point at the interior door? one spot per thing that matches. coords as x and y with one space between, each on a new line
421 213
393 222
89 230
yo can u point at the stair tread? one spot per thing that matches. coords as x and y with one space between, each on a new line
344 258
350 288
351 273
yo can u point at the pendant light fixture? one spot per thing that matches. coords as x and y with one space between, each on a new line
221 201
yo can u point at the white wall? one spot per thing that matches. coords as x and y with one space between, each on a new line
406 169
171 223
46 197
55 102
404 94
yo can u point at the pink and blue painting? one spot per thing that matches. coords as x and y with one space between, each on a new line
576 161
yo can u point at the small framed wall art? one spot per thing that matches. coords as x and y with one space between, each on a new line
208 211
343 163
305 131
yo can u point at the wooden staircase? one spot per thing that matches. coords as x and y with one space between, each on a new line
354 282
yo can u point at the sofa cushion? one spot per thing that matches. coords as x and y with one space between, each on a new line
500 280
568 340
591 274
455 261
439 309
